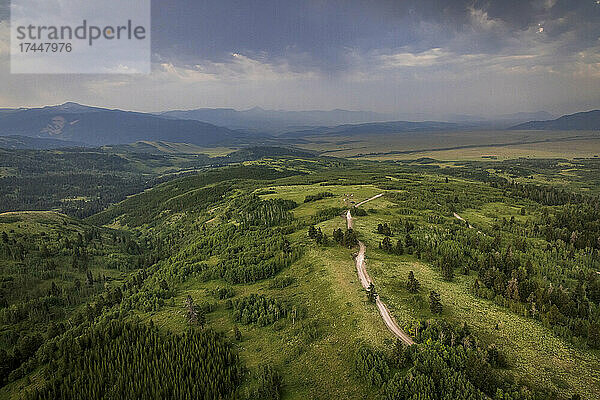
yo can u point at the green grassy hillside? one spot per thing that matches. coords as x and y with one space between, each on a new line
221 262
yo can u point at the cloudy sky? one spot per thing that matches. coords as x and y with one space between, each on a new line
419 58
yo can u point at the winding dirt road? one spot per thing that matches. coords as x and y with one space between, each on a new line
462 219
366 281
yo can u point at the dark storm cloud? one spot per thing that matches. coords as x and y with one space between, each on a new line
323 30
319 33
518 14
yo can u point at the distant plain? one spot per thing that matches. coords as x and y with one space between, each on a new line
464 145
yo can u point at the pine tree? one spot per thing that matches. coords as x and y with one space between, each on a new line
435 304
89 278
201 317
350 238
54 290
338 236
409 243
399 247
191 310
412 285
386 244
447 271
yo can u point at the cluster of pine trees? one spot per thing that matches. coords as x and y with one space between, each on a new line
324 214
318 235
547 195
97 363
556 283
260 310
349 238
447 363
90 181
253 211
314 197
398 249
47 274
244 256
384 229
576 224
541 263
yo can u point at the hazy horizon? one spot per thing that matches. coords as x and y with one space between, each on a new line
382 117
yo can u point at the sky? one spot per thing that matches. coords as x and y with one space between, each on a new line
413 58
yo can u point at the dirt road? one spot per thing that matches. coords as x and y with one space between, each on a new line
366 281
470 226
462 219
372 198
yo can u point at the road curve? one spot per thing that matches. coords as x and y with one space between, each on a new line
372 198
366 281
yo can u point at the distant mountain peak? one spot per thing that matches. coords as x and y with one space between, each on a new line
100 126
70 107
588 120
258 119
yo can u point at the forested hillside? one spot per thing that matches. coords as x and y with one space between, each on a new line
81 182
239 282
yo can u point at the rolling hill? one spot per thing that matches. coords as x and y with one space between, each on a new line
26 142
584 121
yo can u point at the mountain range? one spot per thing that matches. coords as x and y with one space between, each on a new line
99 126
71 124
280 121
589 120
276 121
